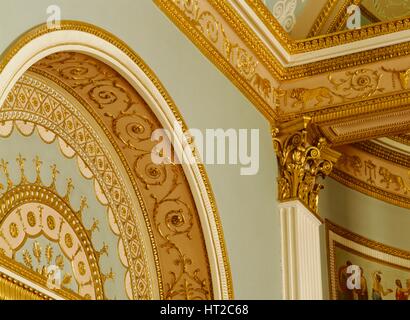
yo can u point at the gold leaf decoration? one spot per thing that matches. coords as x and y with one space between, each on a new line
27 259
60 261
49 254
67 279
37 251
301 162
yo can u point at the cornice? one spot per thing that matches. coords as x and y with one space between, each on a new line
376 171
321 19
369 190
323 41
283 65
404 139
378 246
10 280
264 74
384 153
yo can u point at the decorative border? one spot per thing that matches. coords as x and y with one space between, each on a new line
17 290
11 289
361 245
269 66
321 19
369 190
161 271
341 16
104 35
374 150
404 139
384 153
202 42
70 108
328 40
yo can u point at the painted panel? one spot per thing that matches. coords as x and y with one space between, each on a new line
363 269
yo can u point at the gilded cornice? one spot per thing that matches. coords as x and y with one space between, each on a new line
254 76
341 16
270 85
375 171
403 138
220 44
324 41
321 19
11 288
384 153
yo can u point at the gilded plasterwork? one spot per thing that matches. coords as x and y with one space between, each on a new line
303 89
45 230
301 163
327 40
163 190
11 289
30 210
376 171
263 88
230 54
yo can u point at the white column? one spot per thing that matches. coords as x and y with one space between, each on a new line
301 259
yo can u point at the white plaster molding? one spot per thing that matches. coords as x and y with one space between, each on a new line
301 259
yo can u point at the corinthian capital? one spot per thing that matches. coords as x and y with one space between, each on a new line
301 160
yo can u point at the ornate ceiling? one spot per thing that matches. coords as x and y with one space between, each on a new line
288 59
79 191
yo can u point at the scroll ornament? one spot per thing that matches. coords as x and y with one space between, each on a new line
301 164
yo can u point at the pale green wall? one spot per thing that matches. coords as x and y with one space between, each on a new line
207 100
364 215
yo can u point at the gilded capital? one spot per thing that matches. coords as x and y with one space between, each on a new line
301 160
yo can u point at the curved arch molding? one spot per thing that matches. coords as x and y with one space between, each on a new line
87 90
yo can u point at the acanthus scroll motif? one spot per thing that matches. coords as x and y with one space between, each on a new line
133 123
300 165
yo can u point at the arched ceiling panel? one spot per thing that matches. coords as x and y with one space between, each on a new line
80 191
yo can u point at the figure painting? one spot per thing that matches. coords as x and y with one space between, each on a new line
362 269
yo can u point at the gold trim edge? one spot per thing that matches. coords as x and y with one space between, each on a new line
372 244
328 40
366 189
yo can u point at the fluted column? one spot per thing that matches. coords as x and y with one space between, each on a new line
302 161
